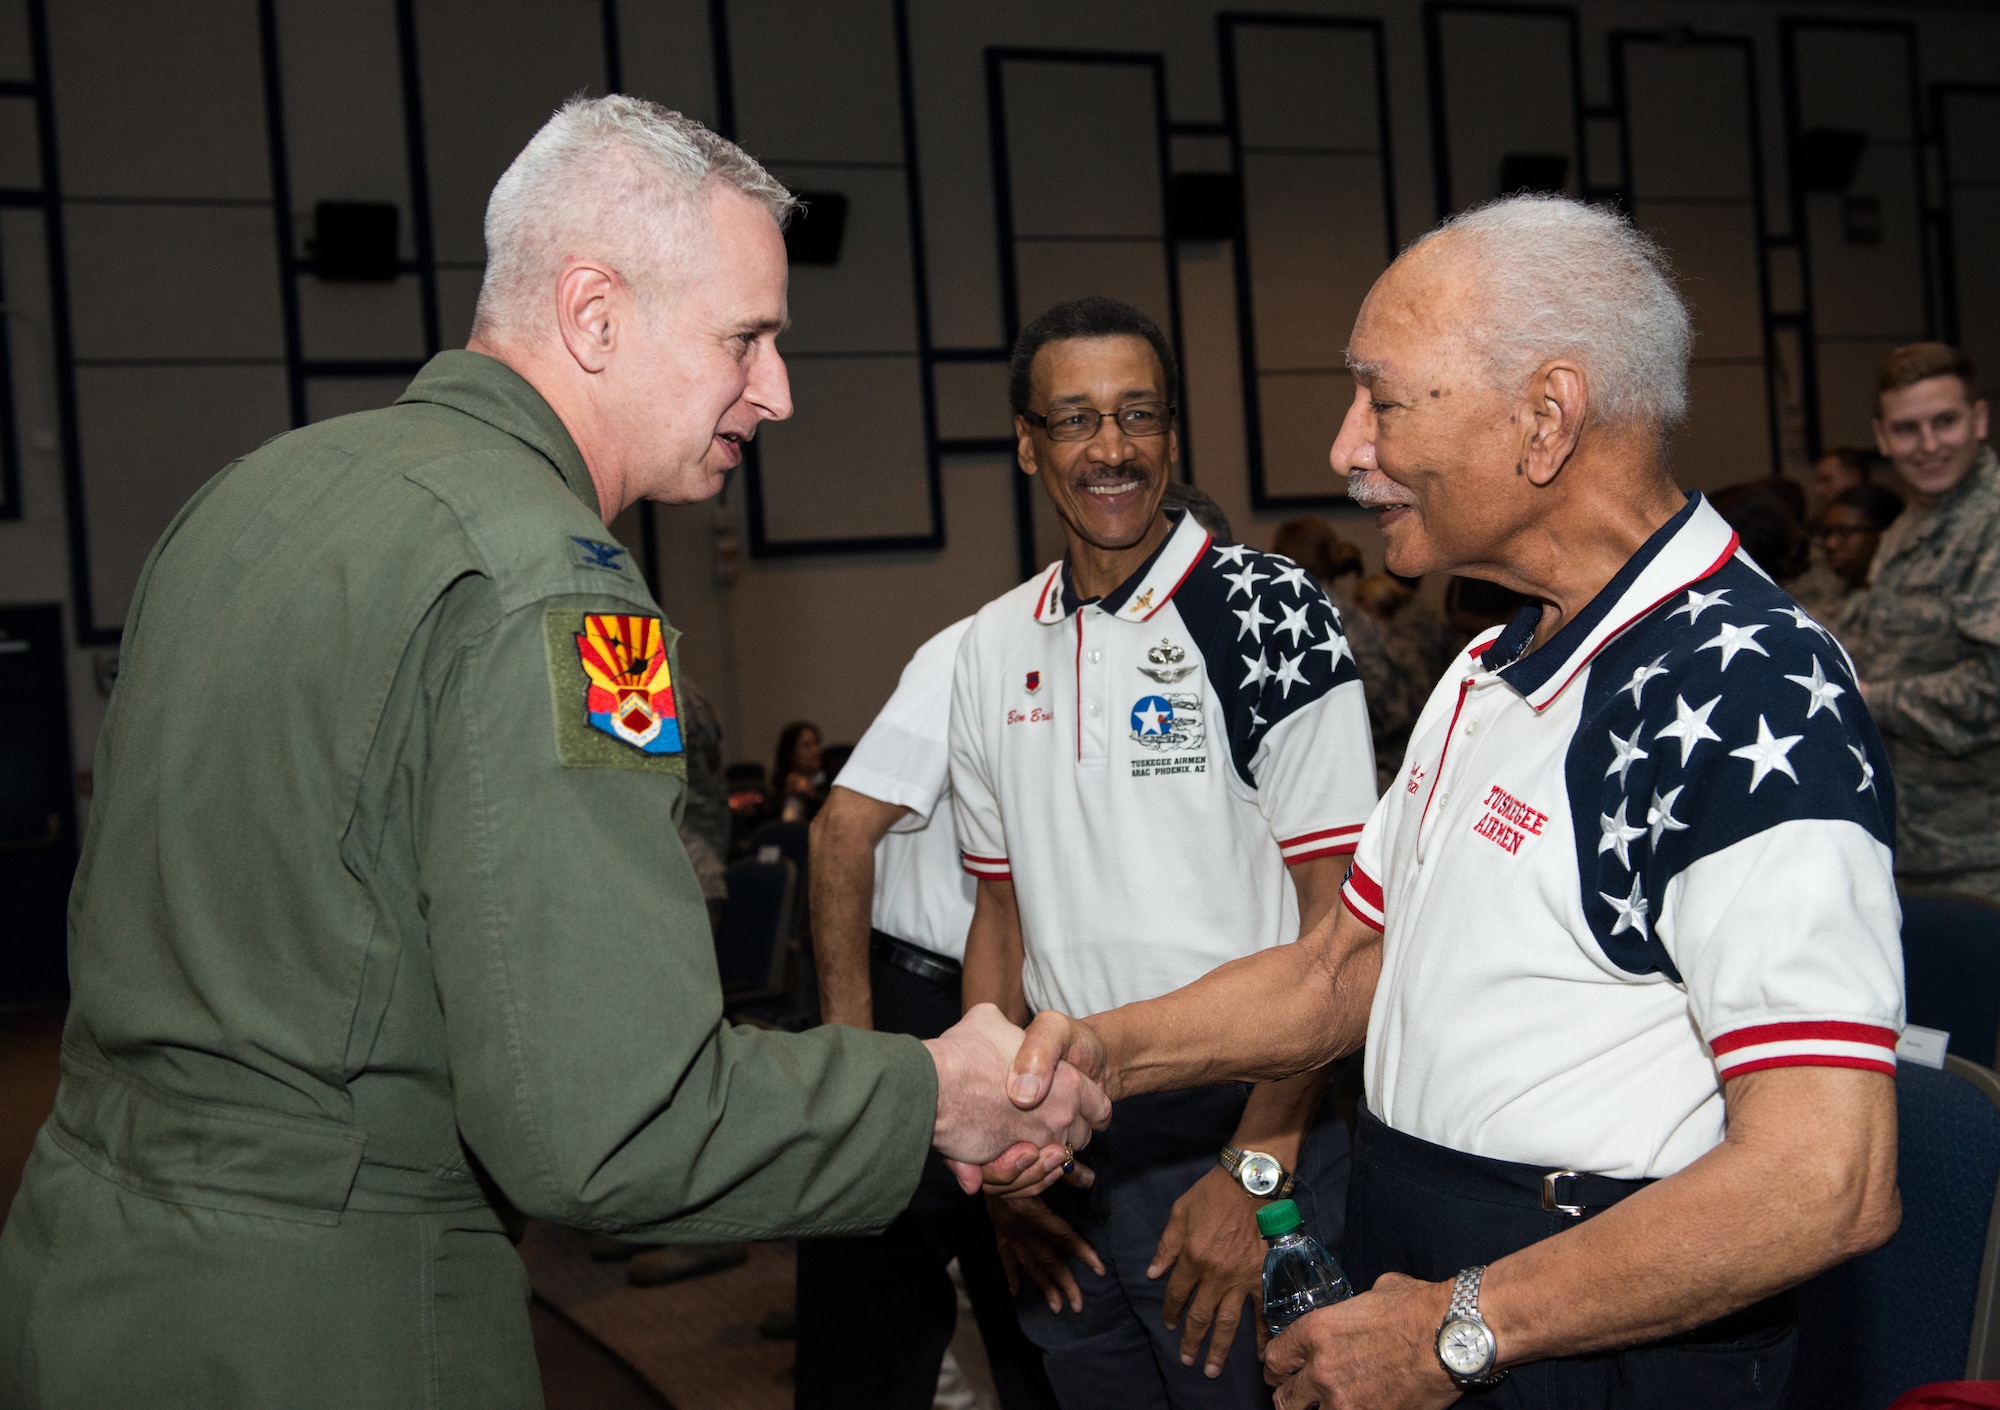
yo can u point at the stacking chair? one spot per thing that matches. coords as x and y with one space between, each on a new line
1923 1307
750 940
1951 970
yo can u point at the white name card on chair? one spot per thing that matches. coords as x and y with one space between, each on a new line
1922 1045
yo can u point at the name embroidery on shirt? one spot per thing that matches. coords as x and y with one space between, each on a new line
1036 716
1507 821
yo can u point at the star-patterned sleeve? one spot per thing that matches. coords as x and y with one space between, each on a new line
1742 838
1291 696
975 805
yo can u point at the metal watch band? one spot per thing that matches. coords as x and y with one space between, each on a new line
1465 1304
1232 1161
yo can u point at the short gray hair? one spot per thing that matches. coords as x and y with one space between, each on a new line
610 178
1565 279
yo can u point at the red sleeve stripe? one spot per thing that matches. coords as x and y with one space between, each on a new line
1330 849
1817 1044
1351 830
986 868
1363 897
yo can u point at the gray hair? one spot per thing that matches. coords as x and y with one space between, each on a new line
1564 279
611 178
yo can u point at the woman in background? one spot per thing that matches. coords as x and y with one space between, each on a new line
798 776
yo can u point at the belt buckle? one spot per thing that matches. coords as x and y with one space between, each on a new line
1549 1200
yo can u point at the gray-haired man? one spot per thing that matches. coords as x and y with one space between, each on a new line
1622 938
382 921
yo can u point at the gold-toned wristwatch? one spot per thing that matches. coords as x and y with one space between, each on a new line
1261 1175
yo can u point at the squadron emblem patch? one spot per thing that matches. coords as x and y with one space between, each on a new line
631 696
611 683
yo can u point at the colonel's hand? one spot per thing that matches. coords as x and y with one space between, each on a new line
976 1120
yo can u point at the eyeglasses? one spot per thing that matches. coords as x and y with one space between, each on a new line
1080 423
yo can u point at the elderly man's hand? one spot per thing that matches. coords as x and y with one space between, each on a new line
1055 1039
976 1120
1374 1352
1217 1256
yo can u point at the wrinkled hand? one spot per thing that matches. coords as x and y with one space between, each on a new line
1033 1238
977 1121
1217 1256
1374 1352
1053 1041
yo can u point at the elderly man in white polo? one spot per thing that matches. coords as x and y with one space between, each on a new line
1622 939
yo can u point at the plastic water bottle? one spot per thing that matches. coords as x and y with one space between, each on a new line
1299 1275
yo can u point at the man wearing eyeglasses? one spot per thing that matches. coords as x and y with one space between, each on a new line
1926 639
1160 762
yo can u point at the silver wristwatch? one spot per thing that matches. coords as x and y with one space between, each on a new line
1262 1176
1465 1344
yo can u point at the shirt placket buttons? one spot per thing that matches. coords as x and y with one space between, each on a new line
1093 689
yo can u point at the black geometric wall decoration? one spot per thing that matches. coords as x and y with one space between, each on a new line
354 242
1538 172
1204 205
814 234
1826 158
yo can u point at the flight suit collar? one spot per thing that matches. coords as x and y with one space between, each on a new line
490 390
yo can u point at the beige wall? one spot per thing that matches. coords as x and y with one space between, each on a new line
176 292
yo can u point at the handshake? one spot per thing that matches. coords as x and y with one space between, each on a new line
1002 1091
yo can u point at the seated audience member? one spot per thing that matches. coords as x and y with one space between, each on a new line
705 822
1837 471
1391 681
1180 495
1926 636
1768 523
1850 530
1473 605
749 804
1624 944
890 909
798 777
833 759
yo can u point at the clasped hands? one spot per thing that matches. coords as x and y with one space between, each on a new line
1373 1350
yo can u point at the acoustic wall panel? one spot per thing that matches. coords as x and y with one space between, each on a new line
1969 126
1694 181
1304 100
1505 81
492 71
971 399
20 148
173 282
1864 250
664 54
17 64
820 99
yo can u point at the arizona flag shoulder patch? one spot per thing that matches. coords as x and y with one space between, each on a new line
613 691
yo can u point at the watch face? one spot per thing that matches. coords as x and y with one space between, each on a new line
1465 1347
1261 1174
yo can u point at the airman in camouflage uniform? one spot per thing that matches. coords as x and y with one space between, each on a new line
1926 637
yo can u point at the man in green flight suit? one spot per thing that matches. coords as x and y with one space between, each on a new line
382 918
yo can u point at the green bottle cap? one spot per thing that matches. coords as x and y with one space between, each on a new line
1278 1218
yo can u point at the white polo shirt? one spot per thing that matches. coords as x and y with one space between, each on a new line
922 895
1144 765
1649 856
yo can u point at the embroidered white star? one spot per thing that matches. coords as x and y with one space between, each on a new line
1867 770
1295 621
1822 691
1767 754
1242 582
1637 685
1618 835
1802 621
1259 672
1660 816
1254 621
1690 727
1232 555
1293 577
1700 602
1730 639
1289 673
1335 646
1631 911
1628 750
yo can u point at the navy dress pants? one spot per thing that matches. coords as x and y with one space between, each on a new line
876 1314
1429 1212
1117 1351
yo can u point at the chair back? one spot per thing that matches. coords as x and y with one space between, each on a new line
1951 970
788 837
1921 1308
749 939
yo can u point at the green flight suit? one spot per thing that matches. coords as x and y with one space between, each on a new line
371 919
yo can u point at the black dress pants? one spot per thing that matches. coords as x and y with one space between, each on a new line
1429 1212
876 1313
